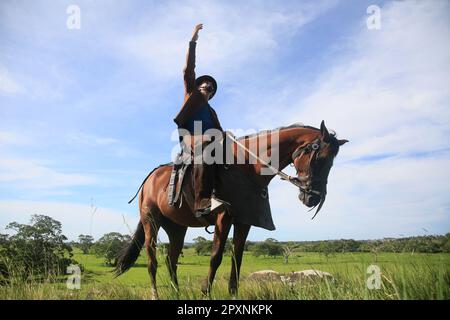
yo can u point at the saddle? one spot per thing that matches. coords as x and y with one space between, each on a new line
179 169
177 188
245 199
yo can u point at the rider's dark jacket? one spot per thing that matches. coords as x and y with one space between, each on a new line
193 99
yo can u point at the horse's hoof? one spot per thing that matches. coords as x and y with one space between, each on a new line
205 288
233 292
205 292
154 295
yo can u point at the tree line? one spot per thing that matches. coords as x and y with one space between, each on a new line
40 249
272 247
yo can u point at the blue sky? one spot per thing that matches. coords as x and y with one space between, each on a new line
86 114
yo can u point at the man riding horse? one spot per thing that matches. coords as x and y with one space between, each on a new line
195 113
243 187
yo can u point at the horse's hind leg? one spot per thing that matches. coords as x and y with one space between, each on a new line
240 234
223 225
176 235
151 227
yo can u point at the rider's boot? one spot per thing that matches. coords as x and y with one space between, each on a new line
203 187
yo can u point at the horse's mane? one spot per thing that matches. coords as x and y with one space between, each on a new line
265 131
333 142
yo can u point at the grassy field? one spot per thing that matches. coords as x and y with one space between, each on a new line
404 276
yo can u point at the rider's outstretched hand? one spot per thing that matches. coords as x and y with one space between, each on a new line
196 30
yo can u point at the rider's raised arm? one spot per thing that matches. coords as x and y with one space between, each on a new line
189 70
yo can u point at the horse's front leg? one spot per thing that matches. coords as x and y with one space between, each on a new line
223 225
239 237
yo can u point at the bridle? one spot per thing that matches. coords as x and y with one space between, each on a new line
313 149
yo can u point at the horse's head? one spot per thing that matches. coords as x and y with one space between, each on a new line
313 161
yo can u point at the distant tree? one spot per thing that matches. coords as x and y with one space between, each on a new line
346 245
375 247
270 247
202 246
287 251
85 243
199 239
247 245
390 245
258 249
446 243
274 248
229 246
326 249
38 249
109 246
4 243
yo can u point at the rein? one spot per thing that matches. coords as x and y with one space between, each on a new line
294 180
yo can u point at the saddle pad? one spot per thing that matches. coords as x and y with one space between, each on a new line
249 201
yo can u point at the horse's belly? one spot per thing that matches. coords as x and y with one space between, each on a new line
182 216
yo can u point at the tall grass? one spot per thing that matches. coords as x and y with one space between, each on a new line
404 276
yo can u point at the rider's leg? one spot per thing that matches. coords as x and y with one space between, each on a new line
203 186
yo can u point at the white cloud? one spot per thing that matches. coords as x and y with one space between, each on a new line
81 138
12 138
30 174
388 94
78 219
95 143
75 218
234 35
28 85
8 86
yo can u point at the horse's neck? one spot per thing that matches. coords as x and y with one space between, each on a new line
283 143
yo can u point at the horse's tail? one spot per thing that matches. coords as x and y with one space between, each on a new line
129 254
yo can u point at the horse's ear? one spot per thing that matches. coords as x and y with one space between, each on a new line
324 132
342 141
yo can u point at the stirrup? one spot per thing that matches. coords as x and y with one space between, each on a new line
202 212
217 205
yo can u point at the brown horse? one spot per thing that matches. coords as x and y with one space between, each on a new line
310 150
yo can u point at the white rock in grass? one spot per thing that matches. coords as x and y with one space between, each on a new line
310 275
290 278
264 275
